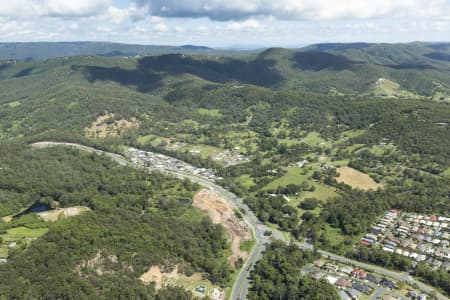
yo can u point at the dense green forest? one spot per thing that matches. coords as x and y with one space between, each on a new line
278 276
142 220
298 116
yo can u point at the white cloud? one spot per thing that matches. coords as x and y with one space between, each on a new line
131 13
16 8
180 29
249 24
73 8
161 27
297 9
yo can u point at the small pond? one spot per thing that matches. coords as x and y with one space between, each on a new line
35 208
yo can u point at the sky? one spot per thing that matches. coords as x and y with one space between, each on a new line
225 23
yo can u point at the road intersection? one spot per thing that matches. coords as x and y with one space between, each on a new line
242 283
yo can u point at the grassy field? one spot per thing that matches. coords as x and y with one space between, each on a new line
19 234
389 88
209 112
314 139
247 245
294 175
333 235
354 148
447 172
352 133
246 180
380 150
154 140
356 179
321 192
14 104
205 151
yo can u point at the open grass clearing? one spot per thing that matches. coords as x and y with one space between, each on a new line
357 179
294 175
321 192
333 234
447 172
246 180
354 147
14 104
352 133
380 150
24 232
314 139
205 151
247 245
210 112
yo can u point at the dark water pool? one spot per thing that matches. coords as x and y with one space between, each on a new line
35 208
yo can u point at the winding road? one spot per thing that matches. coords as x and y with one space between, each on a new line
241 285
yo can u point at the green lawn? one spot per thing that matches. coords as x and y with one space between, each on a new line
314 139
210 112
205 151
352 133
246 180
247 245
150 138
379 150
333 234
18 234
447 172
14 104
294 175
354 147
24 232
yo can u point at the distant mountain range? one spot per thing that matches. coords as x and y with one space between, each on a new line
410 70
47 50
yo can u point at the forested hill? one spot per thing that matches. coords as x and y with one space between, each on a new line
383 70
277 125
47 50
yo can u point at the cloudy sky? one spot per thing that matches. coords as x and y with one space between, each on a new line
225 23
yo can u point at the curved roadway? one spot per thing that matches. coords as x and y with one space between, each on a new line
241 285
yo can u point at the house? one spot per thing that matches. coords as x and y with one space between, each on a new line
358 274
346 270
362 288
364 243
373 279
437 263
332 279
390 297
3 260
343 283
331 267
354 294
387 283
343 295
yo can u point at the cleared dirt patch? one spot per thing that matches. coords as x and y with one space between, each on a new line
56 214
357 179
221 212
108 126
101 264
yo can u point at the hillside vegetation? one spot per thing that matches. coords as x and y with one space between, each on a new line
277 126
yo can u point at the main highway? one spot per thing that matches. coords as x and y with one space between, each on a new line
241 285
